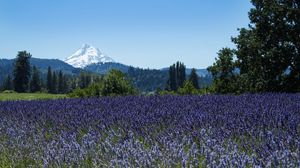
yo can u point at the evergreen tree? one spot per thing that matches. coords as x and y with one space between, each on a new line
8 85
177 76
54 83
148 79
49 80
22 71
87 80
172 78
43 83
61 88
131 71
35 83
66 88
194 78
181 76
82 80
73 83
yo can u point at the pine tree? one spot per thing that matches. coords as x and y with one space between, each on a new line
176 76
194 78
22 71
172 78
35 83
8 85
60 82
73 83
87 80
54 83
49 80
82 80
181 76
65 84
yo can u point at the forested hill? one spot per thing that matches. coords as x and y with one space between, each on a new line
6 66
144 79
147 79
42 64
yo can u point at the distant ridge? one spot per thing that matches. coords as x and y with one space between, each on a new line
6 66
144 79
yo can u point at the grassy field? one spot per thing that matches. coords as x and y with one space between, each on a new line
29 96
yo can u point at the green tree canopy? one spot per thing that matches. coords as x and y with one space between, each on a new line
35 83
22 71
223 71
194 78
7 84
177 76
187 88
49 80
267 52
115 83
61 87
54 83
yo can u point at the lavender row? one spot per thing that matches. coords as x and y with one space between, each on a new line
156 131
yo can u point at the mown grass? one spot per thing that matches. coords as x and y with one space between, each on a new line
29 96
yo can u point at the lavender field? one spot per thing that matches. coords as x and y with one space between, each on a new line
156 131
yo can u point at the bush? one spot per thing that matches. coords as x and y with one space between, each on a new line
114 84
78 93
9 91
167 92
187 88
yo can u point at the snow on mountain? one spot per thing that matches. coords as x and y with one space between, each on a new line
87 55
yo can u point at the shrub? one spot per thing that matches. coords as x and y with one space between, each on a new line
187 89
9 91
114 84
78 93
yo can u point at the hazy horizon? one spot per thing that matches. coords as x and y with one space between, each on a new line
152 34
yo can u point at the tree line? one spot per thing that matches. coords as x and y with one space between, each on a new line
56 82
179 83
27 78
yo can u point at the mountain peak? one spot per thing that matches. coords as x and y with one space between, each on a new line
85 45
87 55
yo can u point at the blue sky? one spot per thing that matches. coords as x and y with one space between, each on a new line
143 33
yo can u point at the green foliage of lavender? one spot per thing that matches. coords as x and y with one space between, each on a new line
260 130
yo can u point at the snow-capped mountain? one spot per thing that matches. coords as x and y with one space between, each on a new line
87 55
